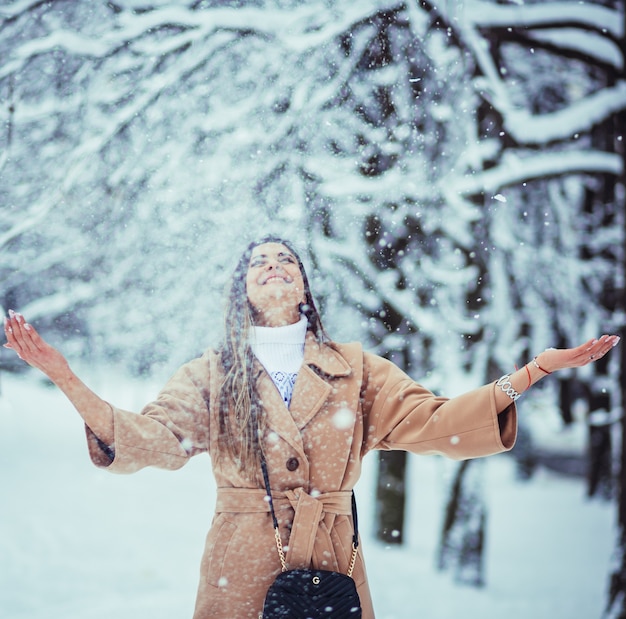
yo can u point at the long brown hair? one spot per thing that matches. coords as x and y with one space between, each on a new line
241 413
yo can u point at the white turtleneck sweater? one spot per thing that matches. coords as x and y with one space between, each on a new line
281 351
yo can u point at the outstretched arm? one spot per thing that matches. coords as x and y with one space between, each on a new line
30 347
552 360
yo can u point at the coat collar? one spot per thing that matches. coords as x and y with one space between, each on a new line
324 357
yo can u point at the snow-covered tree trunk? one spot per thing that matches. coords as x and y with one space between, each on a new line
463 534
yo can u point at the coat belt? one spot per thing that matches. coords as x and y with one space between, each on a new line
311 525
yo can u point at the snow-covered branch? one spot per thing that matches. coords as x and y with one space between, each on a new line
60 302
591 44
514 170
28 220
579 117
587 15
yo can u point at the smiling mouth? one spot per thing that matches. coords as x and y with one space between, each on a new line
274 278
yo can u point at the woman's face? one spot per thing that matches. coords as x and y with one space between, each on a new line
274 285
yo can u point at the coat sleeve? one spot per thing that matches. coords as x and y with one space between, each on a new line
398 413
167 432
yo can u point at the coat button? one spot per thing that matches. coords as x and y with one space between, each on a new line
292 464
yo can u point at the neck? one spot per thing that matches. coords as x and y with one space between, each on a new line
276 319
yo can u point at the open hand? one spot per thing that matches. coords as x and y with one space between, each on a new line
553 359
30 346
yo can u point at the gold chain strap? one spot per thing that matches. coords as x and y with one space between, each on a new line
281 553
352 560
283 561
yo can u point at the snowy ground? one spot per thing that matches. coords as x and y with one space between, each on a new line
80 543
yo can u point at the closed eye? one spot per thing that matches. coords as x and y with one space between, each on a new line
262 259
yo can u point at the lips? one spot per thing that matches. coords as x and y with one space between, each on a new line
277 277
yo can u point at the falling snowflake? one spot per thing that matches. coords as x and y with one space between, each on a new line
343 419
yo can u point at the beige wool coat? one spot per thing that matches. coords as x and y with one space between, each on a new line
345 403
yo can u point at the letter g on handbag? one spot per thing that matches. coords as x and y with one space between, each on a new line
309 593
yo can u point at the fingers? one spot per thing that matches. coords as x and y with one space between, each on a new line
593 350
12 331
12 339
596 349
32 348
20 335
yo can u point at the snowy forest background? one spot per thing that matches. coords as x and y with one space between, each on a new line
452 171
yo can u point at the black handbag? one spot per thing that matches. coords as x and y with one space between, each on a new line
309 593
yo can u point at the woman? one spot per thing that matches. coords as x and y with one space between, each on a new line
243 400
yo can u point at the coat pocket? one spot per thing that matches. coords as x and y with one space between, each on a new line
218 551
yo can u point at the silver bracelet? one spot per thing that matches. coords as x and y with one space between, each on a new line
505 384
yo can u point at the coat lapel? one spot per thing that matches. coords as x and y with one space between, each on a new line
312 388
309 393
